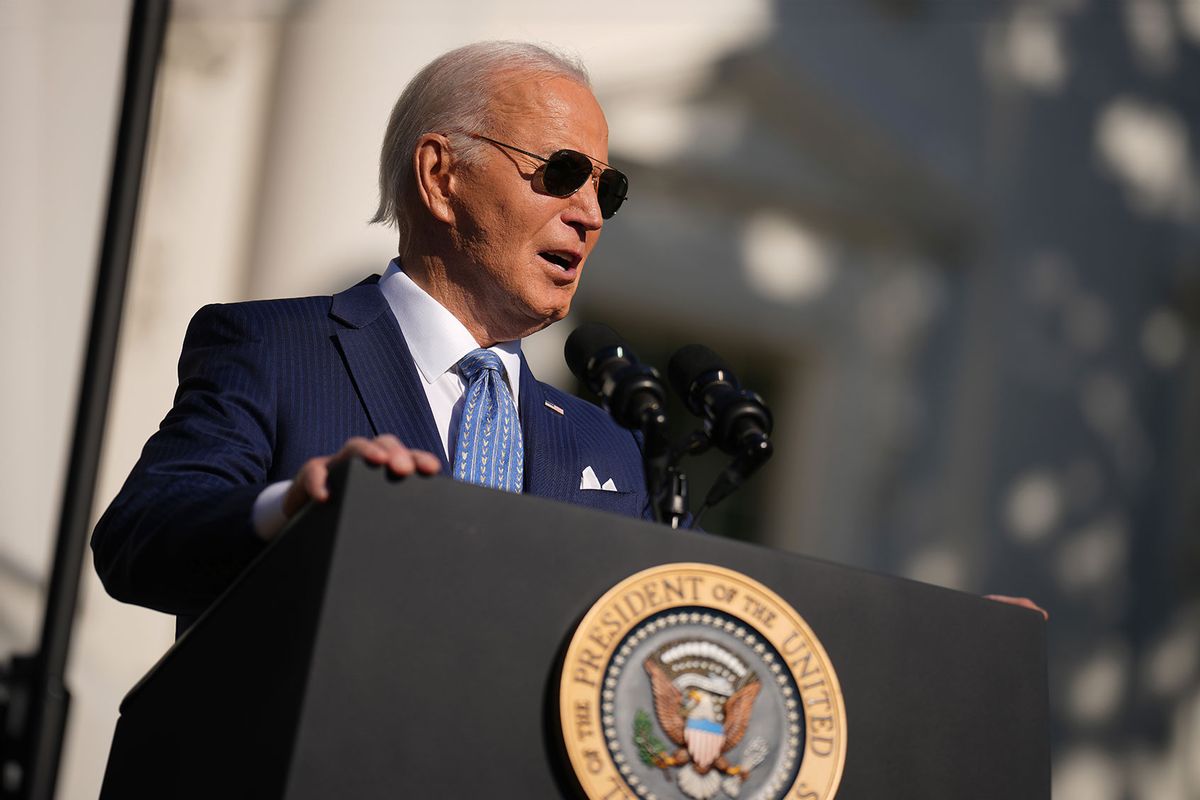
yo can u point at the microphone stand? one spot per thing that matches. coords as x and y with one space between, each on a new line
673 502
666 485
756 450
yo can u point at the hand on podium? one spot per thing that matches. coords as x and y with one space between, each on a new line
1023 602
310 481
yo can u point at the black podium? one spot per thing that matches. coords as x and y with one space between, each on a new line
406 639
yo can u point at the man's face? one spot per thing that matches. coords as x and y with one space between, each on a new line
520 251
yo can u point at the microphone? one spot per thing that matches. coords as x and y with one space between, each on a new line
736 420
634 395
734 417
630 391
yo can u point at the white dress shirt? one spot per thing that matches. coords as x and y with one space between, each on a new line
437 341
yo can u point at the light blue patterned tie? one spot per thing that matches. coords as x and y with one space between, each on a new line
489 449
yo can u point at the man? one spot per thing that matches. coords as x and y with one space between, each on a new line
493 171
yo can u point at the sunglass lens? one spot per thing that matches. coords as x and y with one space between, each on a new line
610 191
565 172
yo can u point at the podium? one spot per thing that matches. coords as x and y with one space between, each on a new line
406 639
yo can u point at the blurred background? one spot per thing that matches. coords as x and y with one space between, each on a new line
955 243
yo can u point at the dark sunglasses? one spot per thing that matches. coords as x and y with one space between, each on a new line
566 171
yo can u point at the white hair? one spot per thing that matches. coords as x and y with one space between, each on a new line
453 96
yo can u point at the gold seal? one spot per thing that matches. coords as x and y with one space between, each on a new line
694 681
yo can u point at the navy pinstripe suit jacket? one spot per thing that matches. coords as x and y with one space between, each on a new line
264 386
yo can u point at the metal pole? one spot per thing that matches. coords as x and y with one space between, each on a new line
49 696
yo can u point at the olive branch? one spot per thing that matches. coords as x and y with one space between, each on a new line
650 747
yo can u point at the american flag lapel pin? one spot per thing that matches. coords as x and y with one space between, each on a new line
555 409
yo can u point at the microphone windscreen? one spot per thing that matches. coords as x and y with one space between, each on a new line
689 363
585 342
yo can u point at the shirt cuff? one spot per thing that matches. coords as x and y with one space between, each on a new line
267 515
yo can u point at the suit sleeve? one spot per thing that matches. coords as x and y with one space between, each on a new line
180 529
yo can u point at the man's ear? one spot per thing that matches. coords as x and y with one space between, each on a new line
432 161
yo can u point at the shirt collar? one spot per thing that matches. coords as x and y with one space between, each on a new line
435 337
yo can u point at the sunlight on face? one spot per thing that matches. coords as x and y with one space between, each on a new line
522 251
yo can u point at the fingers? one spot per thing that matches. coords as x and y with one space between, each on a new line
312 479
309 484
374 450
1023 602
427 463
387 449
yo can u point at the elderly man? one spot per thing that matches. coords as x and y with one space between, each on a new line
493 170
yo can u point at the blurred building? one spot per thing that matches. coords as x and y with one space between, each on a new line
955 244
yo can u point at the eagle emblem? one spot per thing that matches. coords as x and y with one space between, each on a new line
693 700
703 701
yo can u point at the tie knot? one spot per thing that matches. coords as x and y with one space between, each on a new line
475 362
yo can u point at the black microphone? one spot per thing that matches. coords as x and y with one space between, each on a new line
634 395
630 391
735 419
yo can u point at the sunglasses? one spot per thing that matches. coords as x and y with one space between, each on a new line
566 171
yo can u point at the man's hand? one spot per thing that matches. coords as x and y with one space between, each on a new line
310 481
1023 602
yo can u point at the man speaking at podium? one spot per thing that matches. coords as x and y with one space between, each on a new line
493 171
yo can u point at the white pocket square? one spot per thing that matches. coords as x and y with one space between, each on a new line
588 480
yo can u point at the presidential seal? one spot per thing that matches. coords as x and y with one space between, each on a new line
694 682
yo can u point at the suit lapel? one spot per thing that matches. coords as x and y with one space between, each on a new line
381 366
551 453
382 369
